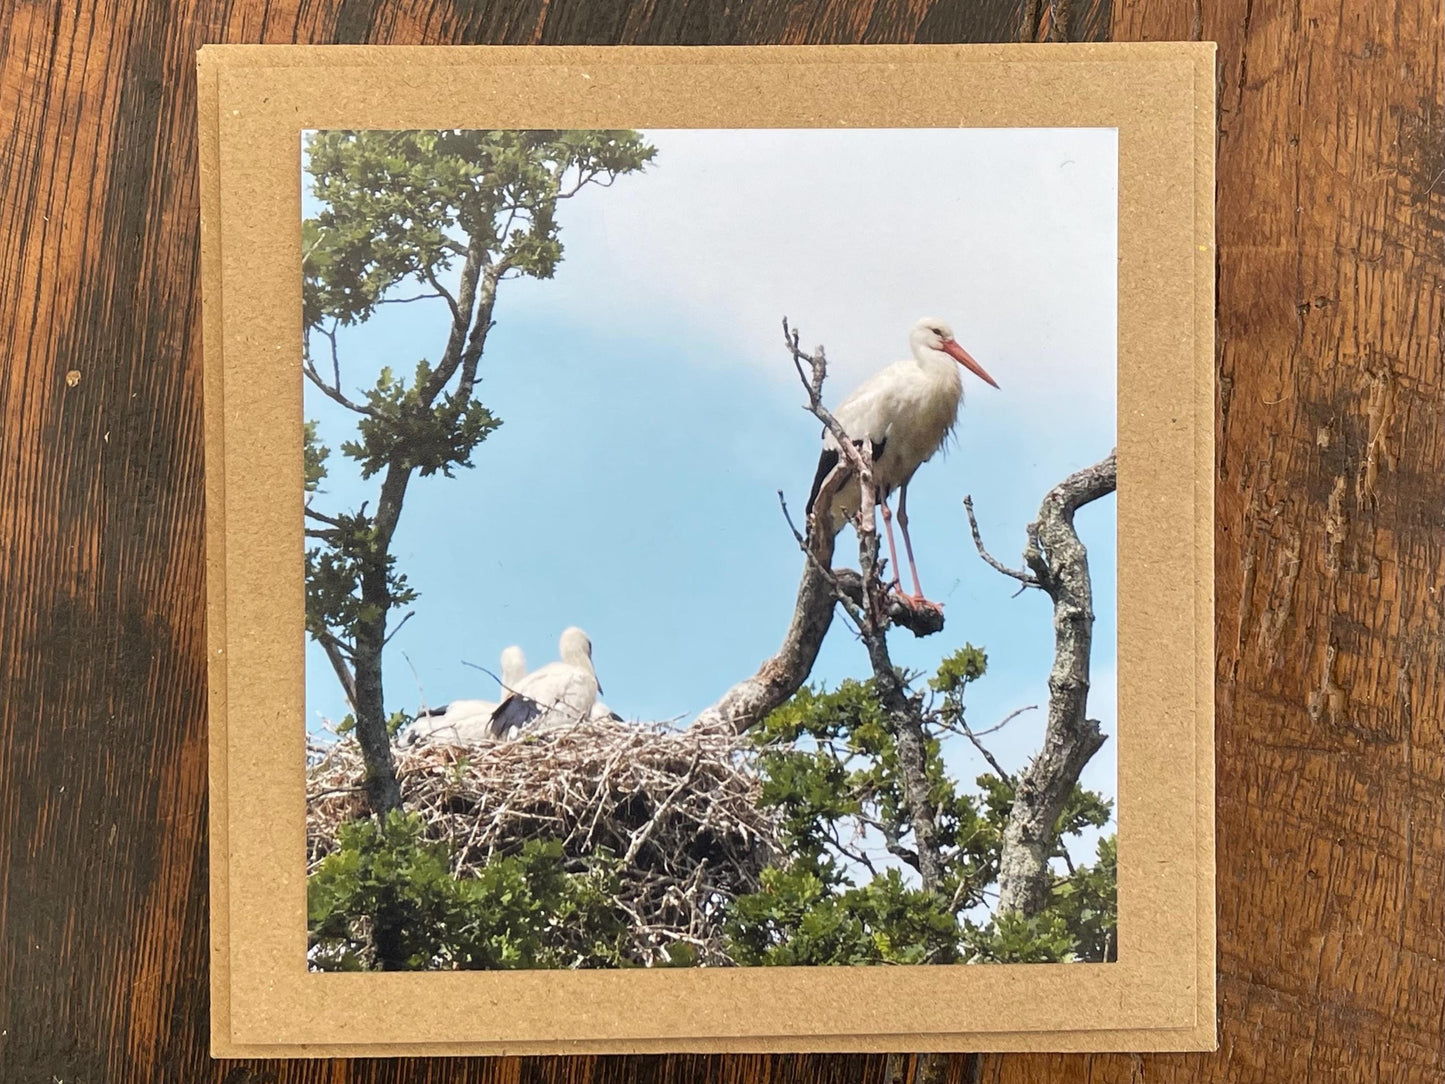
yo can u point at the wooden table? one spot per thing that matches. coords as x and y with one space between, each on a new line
1331 496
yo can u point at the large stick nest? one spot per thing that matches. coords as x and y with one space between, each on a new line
679 807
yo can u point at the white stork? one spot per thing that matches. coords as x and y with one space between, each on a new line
562 691
905 412
465 721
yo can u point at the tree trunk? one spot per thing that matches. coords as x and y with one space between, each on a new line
749 701
382 791
1060 565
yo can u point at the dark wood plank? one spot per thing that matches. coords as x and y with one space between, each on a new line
1329 527
1329 538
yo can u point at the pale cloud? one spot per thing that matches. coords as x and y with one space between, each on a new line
1009 234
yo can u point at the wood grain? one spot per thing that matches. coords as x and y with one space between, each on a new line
1330 491
1329 538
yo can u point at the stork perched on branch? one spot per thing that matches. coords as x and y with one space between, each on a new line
904 412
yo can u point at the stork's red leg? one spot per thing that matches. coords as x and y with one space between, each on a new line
888 528
908 548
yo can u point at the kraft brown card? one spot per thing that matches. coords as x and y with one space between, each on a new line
856 401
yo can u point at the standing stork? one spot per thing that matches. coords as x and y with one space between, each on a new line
904 412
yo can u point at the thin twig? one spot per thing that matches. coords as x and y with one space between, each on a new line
407 617
1028 579
993 763
850 606
1010 717
420 692
430 275
406 300
322 517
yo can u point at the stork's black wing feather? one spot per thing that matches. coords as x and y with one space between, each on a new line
826 462
517 710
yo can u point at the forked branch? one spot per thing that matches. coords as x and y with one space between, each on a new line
1058 564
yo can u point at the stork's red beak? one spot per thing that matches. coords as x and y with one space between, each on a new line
964 358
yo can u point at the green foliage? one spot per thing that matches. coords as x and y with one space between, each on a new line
1080 923
396 722
830 769
440 217
806 913
314 457
1088 903
354 549
401 429
1011 938
958 671
522 911
408 205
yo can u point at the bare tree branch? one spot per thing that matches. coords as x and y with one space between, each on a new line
1026 578
852 601
406 300
779 677
1010 717
852 853
906 723
1060 565
921 621
405 618
322 517
331 390
812 382
904 718
431 278
988 756
339 658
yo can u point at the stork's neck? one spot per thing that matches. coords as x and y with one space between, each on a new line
937 365
577 656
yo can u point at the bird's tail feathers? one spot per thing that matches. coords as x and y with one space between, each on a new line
826 462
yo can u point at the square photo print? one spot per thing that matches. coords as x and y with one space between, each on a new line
549 389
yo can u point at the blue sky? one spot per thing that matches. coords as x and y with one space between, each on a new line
650 415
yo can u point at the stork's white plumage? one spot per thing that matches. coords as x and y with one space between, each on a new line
562 691
466 722
601 713
904 412
514 669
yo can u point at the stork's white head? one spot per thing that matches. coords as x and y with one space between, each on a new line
931 337
575 647
514 668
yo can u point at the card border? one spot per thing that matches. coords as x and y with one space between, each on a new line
292 80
